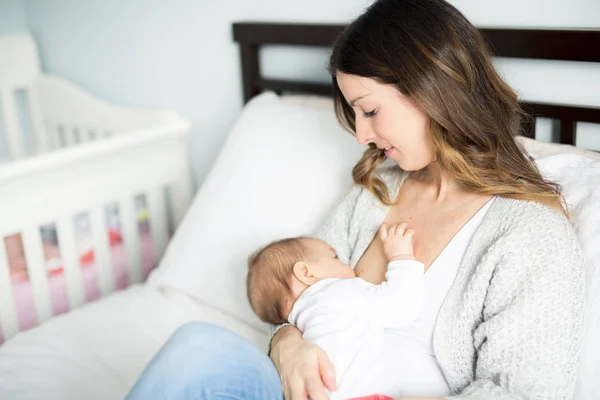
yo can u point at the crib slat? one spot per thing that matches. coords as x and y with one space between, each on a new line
87 135
8 312
11 125
69 140
180 199
76 135
36 267
61 138
52 135
158 220
69 254
131 239
37 123
101 249
55 136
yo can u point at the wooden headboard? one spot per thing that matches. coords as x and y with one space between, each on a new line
565 45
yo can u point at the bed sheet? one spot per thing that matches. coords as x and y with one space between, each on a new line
99 350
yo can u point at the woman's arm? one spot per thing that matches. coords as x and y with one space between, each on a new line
304 368
527 344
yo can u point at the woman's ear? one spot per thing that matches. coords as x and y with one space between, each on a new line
303 273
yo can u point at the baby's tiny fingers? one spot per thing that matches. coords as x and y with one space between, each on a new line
383 232
400 228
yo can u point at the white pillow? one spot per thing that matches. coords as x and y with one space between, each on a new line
539 149
282 170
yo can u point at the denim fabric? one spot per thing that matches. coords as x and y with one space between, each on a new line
202 361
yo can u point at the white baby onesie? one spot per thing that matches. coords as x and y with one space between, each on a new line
347 318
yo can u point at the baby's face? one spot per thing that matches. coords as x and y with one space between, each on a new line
324 261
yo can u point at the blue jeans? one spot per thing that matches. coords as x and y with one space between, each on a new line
202 361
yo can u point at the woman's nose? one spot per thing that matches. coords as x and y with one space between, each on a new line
364 132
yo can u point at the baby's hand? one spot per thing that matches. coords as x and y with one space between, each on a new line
397 242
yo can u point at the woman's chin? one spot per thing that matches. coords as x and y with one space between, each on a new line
405 166
408 166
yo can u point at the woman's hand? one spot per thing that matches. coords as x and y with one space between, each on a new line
304 368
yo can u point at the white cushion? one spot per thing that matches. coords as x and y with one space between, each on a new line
282 170
539 149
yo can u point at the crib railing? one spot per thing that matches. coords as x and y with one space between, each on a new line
41 112
53 188
49 113
19 73
14 113
72 154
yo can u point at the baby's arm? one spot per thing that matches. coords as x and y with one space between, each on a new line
397 301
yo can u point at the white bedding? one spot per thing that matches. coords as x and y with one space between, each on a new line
98 351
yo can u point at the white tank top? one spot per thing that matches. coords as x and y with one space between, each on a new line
417 370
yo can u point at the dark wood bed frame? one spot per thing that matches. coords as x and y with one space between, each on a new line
566 45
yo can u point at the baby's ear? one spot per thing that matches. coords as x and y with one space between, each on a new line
302 273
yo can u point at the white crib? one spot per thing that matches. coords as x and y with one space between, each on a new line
76 155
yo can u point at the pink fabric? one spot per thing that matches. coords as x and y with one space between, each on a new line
23 295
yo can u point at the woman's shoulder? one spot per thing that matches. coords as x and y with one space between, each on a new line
527 215
534 229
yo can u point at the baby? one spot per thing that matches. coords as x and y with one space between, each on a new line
302 281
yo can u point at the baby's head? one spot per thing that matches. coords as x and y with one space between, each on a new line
281 271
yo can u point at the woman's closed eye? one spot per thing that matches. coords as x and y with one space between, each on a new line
369 114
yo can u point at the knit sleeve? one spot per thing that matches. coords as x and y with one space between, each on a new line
336 231
528 340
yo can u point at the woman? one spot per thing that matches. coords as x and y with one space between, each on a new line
414 81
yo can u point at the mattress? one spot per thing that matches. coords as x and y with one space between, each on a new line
99 350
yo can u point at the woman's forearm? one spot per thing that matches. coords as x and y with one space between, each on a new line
287 334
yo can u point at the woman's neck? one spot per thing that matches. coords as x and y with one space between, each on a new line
437 185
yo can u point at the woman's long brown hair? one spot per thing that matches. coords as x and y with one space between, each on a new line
436 57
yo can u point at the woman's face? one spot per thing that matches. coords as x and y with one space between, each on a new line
390 120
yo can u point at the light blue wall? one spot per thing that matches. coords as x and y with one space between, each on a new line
12 16
180 54
174 54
